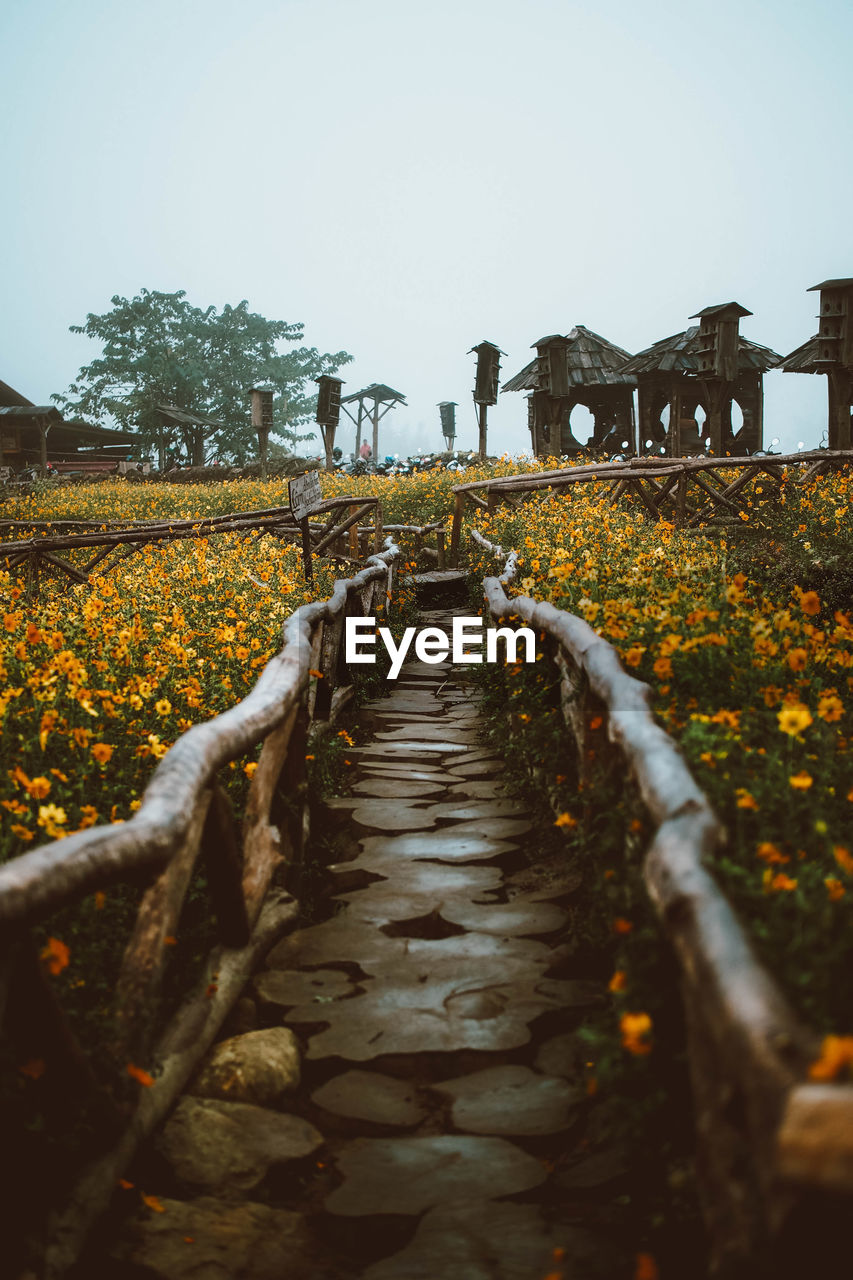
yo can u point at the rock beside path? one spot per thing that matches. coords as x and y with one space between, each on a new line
257 1067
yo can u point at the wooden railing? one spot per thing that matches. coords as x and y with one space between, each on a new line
767 1137
688 491
184 816
113 544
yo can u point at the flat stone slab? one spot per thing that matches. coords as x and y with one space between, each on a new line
467 810
370 1096
493 828
397 788
479 789
286 988
441 846
476 1240
409 1175
485 767
511 1100
210 1239
392 815
405 747
231 1145
427 732
512 919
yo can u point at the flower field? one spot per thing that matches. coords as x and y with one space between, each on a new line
746 640
747 643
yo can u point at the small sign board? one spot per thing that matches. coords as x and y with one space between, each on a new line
304 494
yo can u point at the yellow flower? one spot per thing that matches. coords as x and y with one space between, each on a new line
810 603
634 655
163 707
801 781
566 820
53 819
797 659
249 768
793 718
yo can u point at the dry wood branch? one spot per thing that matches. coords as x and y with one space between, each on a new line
177 1056
223 858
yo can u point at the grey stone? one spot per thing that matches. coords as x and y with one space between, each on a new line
368 1095
208 1239
408 1175
231 1145
511 1100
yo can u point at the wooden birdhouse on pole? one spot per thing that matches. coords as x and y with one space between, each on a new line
485 386
447 412
716 353
830 351
262 415
328 413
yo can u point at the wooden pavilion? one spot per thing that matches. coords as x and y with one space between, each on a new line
373 403
708 366
830 351
582 368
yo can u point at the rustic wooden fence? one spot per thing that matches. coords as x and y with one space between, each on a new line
184 817
772 1146
112 544
687 491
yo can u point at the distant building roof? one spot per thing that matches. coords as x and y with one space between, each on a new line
676 354
591 360
10 397
376 391
183 416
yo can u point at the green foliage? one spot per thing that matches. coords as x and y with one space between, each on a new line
159 348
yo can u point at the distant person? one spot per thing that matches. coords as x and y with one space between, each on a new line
365 451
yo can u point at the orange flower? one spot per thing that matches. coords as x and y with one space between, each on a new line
843 858
646 1268
834 888
836 1052
745 799
635 1029
768 853
830 707
153 1203
780 883
317 674
810 603
797 659
801 781
619 981
662 668
102 752
139 1075
621 925
566 820
34 1068
57 955
634 655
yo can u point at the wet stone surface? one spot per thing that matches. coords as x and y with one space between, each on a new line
439 1068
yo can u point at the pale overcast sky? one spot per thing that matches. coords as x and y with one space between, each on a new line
407 179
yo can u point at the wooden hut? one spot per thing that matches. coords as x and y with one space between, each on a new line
583 368
38 435
708 366
830 351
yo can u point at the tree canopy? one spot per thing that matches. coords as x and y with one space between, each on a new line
158 348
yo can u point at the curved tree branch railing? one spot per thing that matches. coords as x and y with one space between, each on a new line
767 1137
184 815
689 491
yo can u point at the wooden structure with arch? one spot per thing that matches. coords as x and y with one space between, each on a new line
582 368
708 366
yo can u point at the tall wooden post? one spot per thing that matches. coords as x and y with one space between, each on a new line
481 415
262 415
485 385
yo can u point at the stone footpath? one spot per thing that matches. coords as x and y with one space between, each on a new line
409 1102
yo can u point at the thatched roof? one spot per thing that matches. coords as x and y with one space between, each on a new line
377 391
804 359
591 359
676 354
